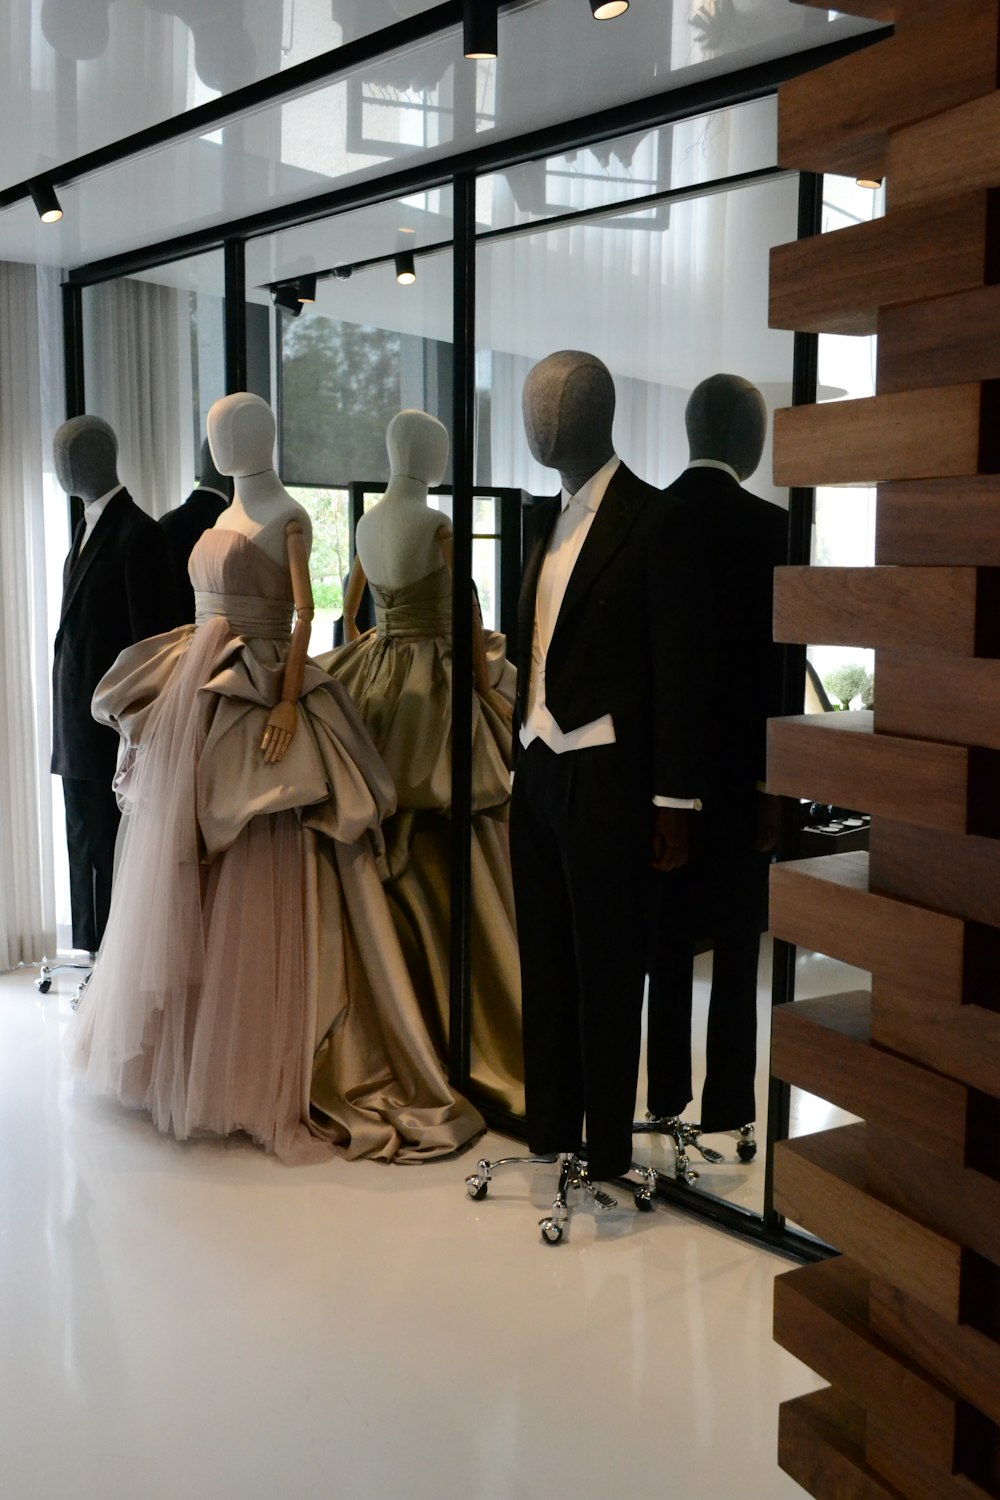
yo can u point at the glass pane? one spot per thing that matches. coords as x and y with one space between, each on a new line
665 297
154 361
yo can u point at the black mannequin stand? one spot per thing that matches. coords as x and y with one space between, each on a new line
572 1174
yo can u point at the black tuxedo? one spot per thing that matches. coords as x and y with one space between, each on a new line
718 550
581 832
117 590
182 528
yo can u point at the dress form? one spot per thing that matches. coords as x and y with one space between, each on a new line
241 432
399 539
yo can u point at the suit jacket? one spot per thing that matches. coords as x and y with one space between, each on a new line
117 591
182 528
716 553
600 659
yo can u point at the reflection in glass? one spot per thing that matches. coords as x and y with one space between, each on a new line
154 362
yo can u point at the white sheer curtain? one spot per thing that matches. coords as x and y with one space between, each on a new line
29 334
137 376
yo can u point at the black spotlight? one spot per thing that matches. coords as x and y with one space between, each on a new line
43 196
304 288
479 28
406 271
286 297
606 10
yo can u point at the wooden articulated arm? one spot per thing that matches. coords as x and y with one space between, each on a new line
282 720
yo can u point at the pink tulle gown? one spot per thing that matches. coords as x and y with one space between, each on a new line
248 924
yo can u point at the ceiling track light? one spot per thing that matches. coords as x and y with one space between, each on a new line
406 271
870 182
305 288
606 10
285 296
479 28
43 196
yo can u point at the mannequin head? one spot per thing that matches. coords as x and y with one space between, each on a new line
568 404
241 432
726 419
85 451
209 474
418 447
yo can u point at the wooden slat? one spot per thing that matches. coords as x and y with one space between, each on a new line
962 1041
962 1203
944 432
821 1316
892 1455
825 905
884 607
954 698
824 1045
821 1446
952 872
837 118
948 341
949 153
820 1184
837 282
948 522
960 1355
837 758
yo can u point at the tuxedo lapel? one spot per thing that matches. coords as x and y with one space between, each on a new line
81 563
616 514
547 514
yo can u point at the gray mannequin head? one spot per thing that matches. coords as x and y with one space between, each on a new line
726 419
568 404
85 451
209 474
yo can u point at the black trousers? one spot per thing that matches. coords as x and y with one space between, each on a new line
721 896
92 818
581 839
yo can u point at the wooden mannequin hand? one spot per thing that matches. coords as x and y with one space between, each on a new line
673 833
281 724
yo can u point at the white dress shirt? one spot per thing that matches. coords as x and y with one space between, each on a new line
565 544
714 463
92 514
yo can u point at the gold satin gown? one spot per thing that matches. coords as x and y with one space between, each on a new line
248 919
400 677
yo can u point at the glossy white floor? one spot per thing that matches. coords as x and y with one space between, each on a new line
197 1321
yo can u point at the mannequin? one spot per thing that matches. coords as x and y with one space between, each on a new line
182 527
400 677
402 539
587 730
720 547
241 433
248 923
116 589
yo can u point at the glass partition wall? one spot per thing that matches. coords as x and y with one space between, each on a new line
649 250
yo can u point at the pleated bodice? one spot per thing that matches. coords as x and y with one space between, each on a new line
414 611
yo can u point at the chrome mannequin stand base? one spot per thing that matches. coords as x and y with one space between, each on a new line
572 1174
46 970
686 1134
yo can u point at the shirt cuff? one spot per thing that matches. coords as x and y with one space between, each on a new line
693 804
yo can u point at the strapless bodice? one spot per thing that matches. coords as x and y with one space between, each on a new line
234 578
414 610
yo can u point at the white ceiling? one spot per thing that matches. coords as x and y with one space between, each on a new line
556 63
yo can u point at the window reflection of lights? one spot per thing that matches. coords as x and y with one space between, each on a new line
607 10
406 271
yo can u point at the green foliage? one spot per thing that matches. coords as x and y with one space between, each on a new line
340 387
329 560
849 682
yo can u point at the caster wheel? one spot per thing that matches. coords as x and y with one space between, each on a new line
43 985
643 1203
477 1188
746 1150
551 1231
